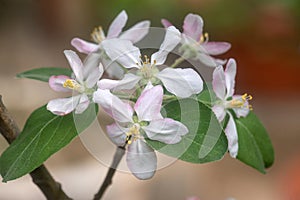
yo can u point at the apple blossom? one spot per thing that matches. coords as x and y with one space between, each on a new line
195 44
223 86
180 82
84 82
135 123
134 34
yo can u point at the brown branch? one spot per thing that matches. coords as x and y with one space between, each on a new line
108 179
40 176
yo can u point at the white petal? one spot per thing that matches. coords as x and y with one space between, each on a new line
218 82
91 62
141 160
219 111
75 64
83 104
117 134
171 40
216 48
117 25
63 106
84 46
112 105
181 82
56 83
148 105
136 32
113 69
192 26
122 51
230 73
166 130
128 82
232 137
94 76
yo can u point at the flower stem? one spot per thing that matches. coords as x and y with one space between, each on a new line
40 176
177 62
110 173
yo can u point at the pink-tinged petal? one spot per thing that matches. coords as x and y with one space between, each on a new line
128 82
116 133
123 52
141 160
112 105
220 61
181 82
232 137
216 48
193 26
63 106
148 105
83 104
207 60
136 32
243 111
171 40
56 83
166 23
166 130
230 73
219 111
84 46
75 64
117 25
218 83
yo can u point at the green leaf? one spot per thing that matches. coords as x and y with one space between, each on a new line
43 135
205 142
255 147
43 74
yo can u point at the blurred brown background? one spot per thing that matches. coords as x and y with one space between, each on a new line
265 35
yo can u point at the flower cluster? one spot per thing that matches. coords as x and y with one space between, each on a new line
134 100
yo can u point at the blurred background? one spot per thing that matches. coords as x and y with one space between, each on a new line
265 38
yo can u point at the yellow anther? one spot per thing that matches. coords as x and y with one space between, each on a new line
204 37
69 83
98 35
246 97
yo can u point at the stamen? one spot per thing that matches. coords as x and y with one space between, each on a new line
247 97
72 84
98 35
204 38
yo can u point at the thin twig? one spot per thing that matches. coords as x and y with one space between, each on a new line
40 176
108 179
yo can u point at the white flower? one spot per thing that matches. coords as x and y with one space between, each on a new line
135 123
134 34
180 82
195 44
86 77
223 86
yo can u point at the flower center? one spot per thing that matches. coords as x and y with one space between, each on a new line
73 85
133 134
98 35
147 70
241 102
